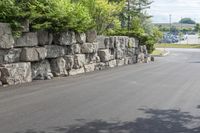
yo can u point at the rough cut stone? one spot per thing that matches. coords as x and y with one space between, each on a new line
88 48
41 70
33 54
121 62
91 36
69 60
92 58
132 43
54 51
76 71
79 61
64 38
89 67
10 56
44 38
141 58
6 38
112 63
130 52
130 60
16 73
101 42
104 55
27 40
76 49
119 54
80 38
100 66
58 67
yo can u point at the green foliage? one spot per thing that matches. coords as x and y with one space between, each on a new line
187 21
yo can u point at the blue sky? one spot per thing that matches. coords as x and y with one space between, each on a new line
161 9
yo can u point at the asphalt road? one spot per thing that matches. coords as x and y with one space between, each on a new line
160 97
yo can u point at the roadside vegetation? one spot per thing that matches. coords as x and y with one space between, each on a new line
167 45
108 17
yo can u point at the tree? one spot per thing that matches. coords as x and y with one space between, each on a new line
187 21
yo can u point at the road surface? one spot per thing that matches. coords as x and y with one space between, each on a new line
160 97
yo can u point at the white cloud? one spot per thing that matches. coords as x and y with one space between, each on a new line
161 9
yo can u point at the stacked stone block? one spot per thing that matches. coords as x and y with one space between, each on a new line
43 55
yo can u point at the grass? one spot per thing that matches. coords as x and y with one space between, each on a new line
158 52
177 46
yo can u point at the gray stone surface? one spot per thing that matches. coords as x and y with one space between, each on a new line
41 70
69 60
104 55
16 73
58 67
33 54
92 58
79 60
10 56
28 39
25 25
64 38
76 49
6 38
130 60
112 63
80 38
101 42
119 54
89 67
54 51
121 62
132 43
100 66
76 71
88 48
91 36
44 38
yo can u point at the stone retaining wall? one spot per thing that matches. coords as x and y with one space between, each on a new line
44 55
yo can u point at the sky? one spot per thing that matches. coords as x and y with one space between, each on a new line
161 9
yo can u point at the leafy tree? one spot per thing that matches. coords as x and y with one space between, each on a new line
187 21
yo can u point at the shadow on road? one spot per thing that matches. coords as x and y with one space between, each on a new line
159 121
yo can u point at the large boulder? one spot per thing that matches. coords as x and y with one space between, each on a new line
91 36
16 73
104 55
44 38
10 56
58 67
69 60
79 61
33 54
130 52
80 38
88 48
28 39
76 71
41 70
54 51
89 67
64 38
6 38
